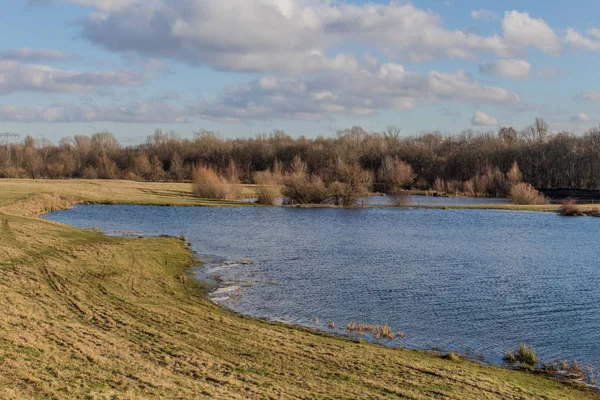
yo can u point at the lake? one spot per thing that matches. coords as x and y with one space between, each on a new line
475 281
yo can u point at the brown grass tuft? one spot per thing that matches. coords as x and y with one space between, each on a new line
208 185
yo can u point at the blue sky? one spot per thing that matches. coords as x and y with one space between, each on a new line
309 67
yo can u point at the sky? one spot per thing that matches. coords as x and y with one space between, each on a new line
308 67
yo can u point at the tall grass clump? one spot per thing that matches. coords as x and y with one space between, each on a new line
523 355
207 184
525 194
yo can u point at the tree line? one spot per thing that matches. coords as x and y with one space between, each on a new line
469 162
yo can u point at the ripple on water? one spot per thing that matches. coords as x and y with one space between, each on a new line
482 281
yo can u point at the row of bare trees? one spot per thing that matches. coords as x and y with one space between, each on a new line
468 162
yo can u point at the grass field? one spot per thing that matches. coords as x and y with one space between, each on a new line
173 194
90 316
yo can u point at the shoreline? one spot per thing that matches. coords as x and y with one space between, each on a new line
213 284
353 346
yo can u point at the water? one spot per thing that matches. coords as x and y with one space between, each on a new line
420 200
476 280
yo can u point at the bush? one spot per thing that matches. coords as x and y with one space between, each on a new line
267 190
349 182
12 172
514 175
208 185
395 174
439 186
301 188
525 194
569 208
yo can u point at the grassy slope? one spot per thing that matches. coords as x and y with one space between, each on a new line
84 315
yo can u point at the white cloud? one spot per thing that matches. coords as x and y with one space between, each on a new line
590 43
35 55
155 110
594 32
588 96
363 91
522 31
285 36
580 117
16 77
485 15
483 119
510 68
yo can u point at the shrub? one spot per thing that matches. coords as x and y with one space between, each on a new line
569 208
349 182
395 174
207 184
439 185
11 171
89 172
469 187
525 194
514 175
268 190
301 188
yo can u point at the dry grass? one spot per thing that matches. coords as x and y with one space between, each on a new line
113 192
377 331
523 355
207 184
90 316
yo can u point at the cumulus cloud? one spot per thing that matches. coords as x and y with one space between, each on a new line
35 55
155 110
580 117
485 15
588 96
483 119
274 36
510 68
363 91
16 76
522 31
591 42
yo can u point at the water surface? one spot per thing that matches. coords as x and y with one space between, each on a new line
421 200
476 280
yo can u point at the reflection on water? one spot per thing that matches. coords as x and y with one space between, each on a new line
455 279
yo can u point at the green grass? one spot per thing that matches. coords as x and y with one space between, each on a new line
90 316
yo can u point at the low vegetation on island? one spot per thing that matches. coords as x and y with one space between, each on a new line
470 163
